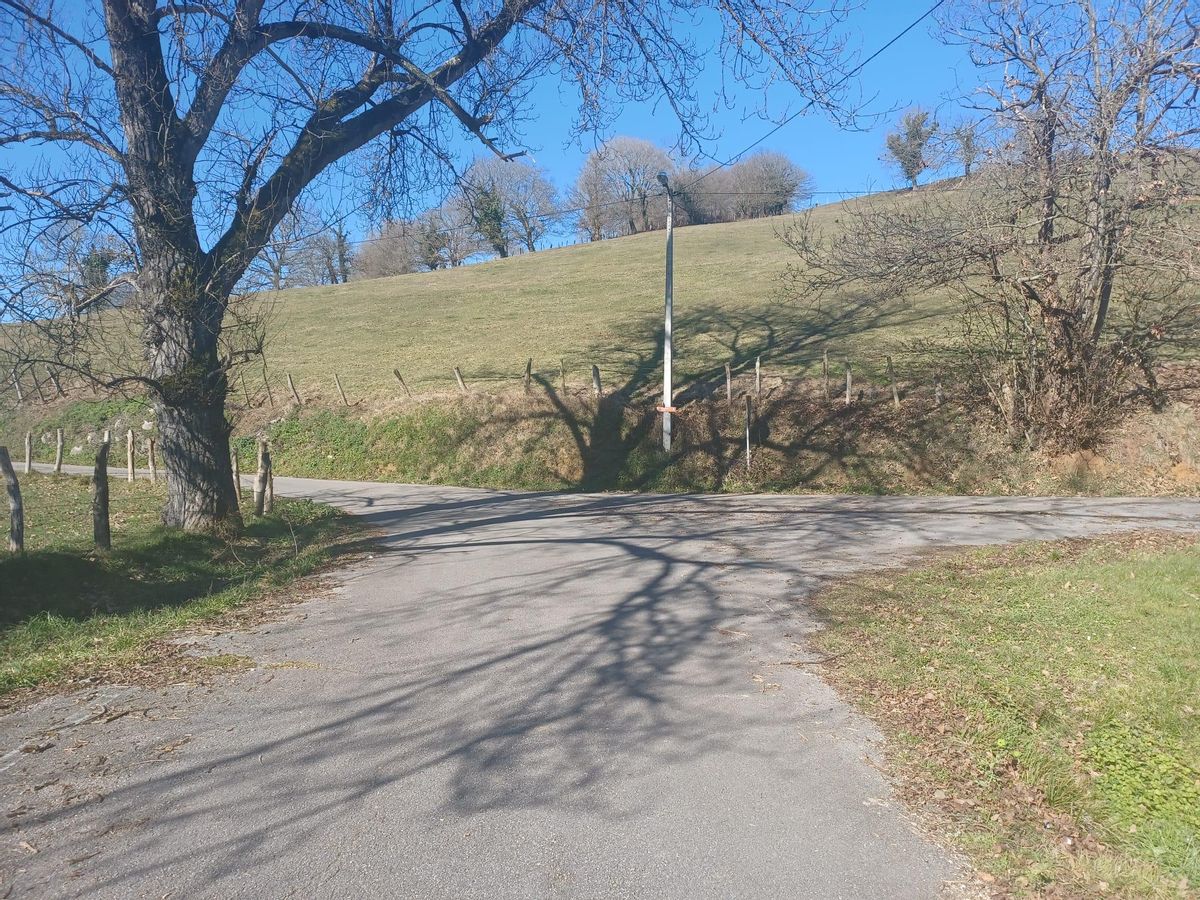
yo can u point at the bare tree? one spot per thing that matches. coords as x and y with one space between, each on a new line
191 129
457 239
615 187
519 202
963 143
296 255
1074 252
909 146
767 184
72 268
589 195
441 238
394 249
332 247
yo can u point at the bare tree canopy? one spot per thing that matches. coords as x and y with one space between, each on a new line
962 144
1074 251
526 201
440 238
189 130
614 188
765 183
301 252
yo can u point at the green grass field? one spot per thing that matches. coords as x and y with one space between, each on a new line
587 304
601 304
68 611
1046 699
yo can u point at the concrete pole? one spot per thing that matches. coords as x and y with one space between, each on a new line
668 348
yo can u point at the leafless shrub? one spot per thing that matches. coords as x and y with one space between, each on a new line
1073 252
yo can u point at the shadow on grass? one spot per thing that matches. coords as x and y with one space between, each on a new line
555 437
153 568
806 435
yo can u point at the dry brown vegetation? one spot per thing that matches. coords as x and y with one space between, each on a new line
801 441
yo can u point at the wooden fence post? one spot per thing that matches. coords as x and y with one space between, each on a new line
260 478
292 387
939 396
462 385
58 451
728 384
338 382
1008 405
597 387
130 459
267 383
891 373
758 378
400 379
849 382
28 452
150 461
16 510
101 535
269 501
528 373
825 373
237 478
747 432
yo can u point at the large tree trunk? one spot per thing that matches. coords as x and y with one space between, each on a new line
194 439
182 325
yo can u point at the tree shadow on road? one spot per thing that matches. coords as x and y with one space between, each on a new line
562 654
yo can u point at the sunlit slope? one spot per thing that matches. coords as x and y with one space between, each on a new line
593 303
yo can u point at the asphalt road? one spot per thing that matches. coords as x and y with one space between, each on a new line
520 695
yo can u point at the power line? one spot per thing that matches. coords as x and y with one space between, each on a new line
786 121
789 119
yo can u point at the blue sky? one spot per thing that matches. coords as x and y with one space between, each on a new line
917 70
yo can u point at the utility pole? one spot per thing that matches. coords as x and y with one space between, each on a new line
668 391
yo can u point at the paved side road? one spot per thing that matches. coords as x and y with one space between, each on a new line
520 695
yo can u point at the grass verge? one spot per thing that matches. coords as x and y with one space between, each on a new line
1044 700
68 612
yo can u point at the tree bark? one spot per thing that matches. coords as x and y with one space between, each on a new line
16 510
191 387
101 536
194 440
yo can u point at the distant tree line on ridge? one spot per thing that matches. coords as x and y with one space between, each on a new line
506 207
499 208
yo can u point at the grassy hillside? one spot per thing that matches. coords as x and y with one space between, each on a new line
587 304
601 304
